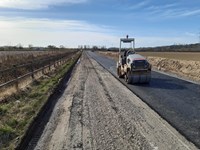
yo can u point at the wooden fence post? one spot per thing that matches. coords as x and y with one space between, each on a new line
43 68
32 68
49 64
15 73
54 63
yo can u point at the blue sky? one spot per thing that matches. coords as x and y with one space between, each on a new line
99 22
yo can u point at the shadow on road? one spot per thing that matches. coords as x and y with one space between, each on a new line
162 84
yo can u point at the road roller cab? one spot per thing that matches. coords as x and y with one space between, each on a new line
133 67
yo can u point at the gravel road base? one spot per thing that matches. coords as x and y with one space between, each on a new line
97 112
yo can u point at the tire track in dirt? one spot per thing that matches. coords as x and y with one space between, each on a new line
58 133
122 133
75 131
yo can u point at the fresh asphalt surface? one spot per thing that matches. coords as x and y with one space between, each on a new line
176 100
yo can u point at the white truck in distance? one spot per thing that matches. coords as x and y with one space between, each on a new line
131 66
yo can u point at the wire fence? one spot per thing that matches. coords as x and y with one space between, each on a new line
13 75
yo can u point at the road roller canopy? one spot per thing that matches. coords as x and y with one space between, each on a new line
130 42
127 40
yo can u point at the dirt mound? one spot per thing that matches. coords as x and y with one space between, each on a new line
183 68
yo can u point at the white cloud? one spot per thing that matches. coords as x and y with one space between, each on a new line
35 4
177 13
191 34
71 33
173 10
51 25
139 5
42 32
190 13
161 7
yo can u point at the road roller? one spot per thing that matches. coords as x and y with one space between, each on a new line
133 67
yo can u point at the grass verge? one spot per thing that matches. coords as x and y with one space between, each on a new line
19 110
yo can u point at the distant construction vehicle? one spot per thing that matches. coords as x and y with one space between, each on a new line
133 67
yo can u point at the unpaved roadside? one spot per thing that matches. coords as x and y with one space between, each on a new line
98 112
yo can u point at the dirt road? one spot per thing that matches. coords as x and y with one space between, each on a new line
98 112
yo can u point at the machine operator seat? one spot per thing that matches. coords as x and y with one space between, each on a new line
124 57
126 53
